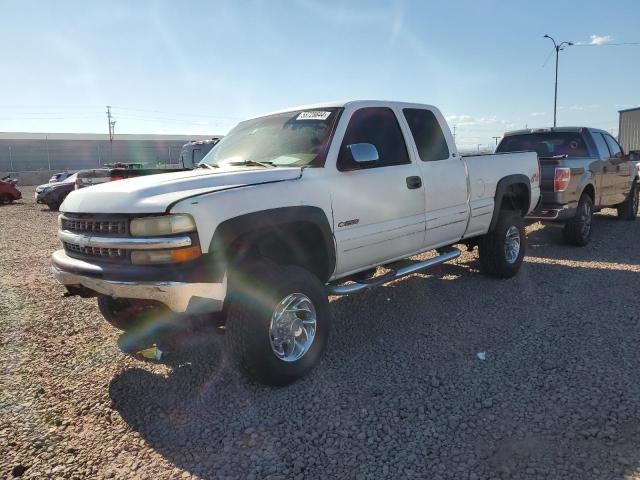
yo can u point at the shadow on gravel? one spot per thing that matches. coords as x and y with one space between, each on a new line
548 242
401 392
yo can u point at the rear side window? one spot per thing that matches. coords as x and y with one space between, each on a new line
378 126
427 134
616 151
546 144
601 145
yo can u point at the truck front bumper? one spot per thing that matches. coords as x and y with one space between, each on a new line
179 296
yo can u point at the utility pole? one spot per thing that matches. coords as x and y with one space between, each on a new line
10 160
557 48
496 139
112 131
479 145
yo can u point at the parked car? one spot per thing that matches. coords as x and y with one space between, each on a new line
583 170
288 209
121 171
9 190
53 194
58 177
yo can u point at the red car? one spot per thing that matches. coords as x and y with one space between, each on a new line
8 190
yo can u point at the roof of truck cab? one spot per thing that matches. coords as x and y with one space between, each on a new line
525 131
348 103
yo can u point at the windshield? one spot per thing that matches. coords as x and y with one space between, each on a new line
71 178
546 144
294 138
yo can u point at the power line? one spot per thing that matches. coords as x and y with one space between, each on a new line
605 44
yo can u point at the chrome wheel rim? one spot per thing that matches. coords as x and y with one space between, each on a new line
293 327
512 244
585 220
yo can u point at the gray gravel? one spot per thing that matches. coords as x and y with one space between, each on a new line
401 392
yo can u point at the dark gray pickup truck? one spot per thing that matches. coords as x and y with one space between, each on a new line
582 171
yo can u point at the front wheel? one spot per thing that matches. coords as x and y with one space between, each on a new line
502 250
628 210
577 231
277 322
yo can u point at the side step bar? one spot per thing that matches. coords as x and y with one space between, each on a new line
445 256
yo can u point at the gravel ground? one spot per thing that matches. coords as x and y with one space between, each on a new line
401 392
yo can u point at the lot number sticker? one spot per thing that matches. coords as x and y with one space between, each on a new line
313 115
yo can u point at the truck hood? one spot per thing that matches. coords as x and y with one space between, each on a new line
155 193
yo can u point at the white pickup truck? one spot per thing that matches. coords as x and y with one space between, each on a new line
290 208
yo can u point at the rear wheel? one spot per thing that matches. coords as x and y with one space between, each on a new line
502 250
577 231
5 198
277 322
628 210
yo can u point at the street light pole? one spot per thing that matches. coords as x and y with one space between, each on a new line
557 48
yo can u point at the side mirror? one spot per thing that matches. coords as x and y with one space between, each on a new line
363 152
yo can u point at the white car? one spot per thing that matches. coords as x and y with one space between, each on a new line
290 208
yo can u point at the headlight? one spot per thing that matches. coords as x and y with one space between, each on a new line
162 225
149 257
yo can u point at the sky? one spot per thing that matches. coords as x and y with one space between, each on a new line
200 67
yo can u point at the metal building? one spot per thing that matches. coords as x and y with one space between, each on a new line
20 152
629 131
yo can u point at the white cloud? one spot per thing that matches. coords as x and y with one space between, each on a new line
538 114
600 39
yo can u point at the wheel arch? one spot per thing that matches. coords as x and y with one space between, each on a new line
298 235
514 192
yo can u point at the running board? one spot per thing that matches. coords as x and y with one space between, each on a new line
445 256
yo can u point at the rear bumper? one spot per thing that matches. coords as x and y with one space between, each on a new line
553 213
179 296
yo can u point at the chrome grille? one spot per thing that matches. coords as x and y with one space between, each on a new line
114 253
91 225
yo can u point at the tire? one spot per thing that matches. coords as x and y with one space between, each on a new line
53 206
5 199
628 210
256 294
130 314
577 231
502 250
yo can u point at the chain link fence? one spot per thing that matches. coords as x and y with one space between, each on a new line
17 155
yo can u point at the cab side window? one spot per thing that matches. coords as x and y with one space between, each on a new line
426 131
601 145
379 127
616 151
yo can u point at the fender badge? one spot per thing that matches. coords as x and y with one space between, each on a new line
348 223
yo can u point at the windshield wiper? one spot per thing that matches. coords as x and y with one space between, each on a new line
206 165
555 157
254 162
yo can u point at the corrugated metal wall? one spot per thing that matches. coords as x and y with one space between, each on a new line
27 155
629 135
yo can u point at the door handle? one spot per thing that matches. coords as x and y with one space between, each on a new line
414 182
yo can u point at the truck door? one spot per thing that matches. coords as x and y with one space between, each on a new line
601 170
444 177
620 171
378 208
